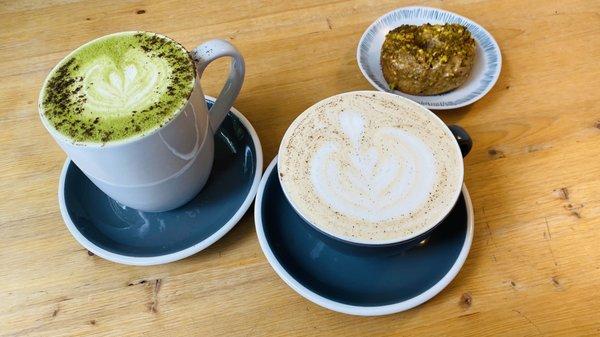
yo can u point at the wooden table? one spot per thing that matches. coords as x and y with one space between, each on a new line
534 175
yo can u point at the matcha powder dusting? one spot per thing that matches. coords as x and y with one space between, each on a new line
117 87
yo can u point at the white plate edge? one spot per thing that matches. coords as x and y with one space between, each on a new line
456 106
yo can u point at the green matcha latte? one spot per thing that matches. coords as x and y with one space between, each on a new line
117 87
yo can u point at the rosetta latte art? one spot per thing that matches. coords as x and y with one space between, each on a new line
118 89
370 167
377 179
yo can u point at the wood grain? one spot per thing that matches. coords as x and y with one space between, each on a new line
534 268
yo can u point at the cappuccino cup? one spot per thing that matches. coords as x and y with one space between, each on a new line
372 168
129 111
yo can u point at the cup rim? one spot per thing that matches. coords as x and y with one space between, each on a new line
121 142
393 241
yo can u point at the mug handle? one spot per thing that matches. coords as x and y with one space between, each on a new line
462 137
205 54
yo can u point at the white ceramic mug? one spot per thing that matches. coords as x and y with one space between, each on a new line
168 167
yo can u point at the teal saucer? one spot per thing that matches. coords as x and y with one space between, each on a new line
125 235
358 279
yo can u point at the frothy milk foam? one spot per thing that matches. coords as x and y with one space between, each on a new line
117 87
370 167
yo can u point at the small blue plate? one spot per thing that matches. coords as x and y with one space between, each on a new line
125 235
358 280
484 74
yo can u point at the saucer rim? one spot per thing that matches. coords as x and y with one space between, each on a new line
354 309
426 105
171 257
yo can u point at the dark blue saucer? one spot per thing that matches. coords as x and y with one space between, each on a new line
353 279
125 235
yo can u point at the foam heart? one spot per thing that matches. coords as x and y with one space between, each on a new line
375 175
134 83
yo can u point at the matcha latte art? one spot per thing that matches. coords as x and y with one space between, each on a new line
117 87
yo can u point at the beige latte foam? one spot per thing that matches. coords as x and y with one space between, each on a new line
370 167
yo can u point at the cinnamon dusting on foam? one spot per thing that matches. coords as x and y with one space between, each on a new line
369 167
